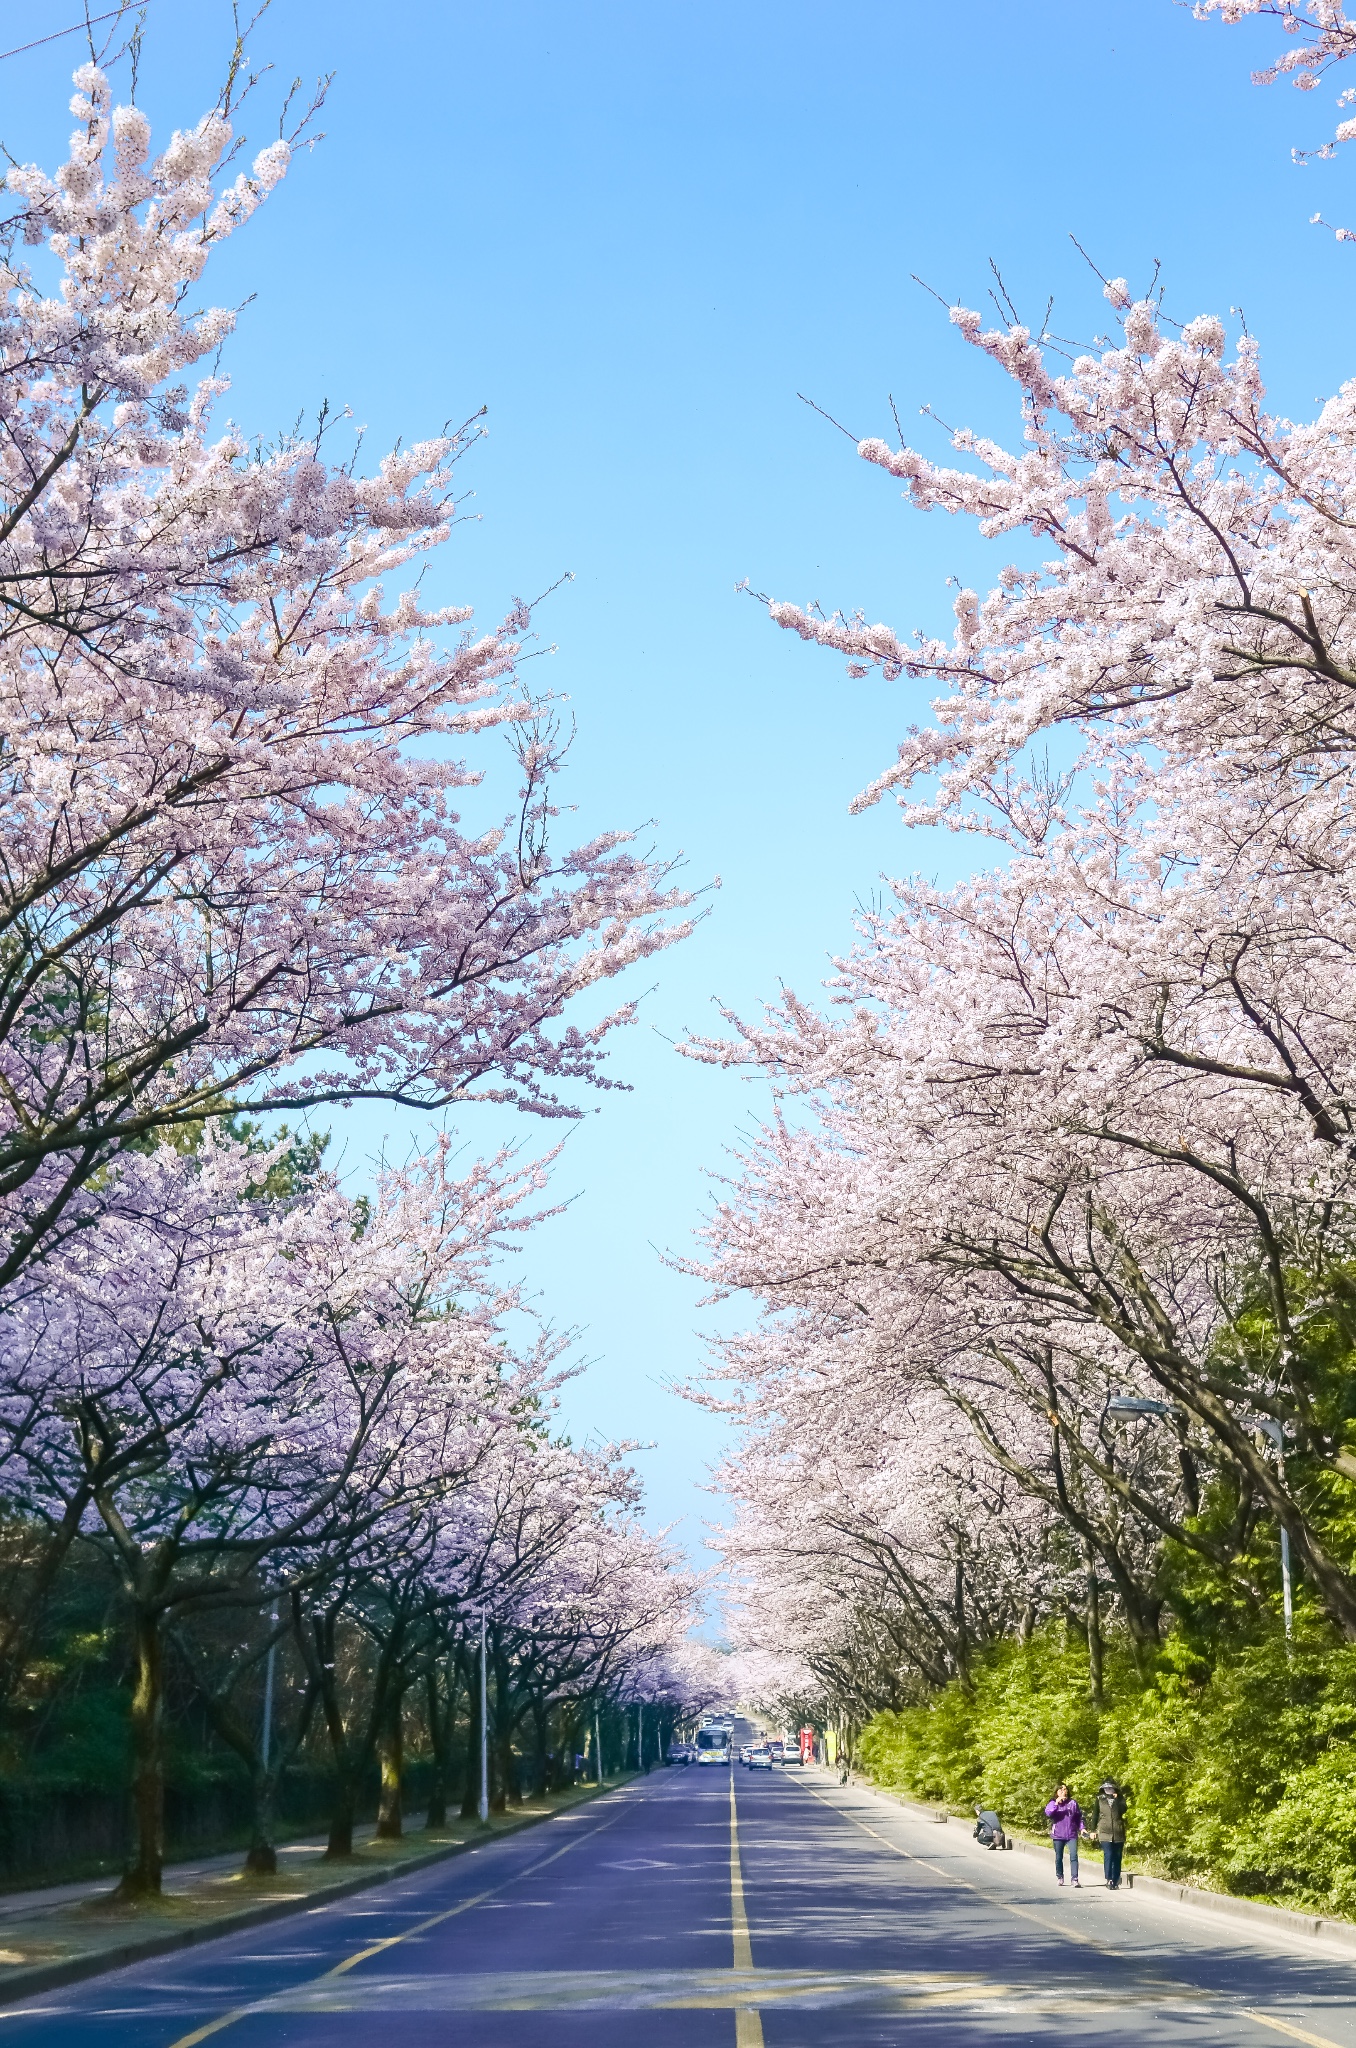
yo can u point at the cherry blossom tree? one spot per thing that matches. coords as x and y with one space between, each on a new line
1081 1130
1323 35
239 867
227 1392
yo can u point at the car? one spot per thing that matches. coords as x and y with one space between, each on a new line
760 1757
776 1748
680 1752
744 1753
791 1753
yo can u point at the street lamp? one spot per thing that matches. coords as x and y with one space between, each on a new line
1267 1426
1138 1404
483 1808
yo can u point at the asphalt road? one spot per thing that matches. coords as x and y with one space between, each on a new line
672 1914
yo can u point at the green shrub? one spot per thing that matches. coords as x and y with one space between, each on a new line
1241 1767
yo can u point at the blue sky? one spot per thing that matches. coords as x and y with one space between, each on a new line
635 232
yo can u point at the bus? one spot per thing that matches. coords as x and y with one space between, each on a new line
713 1744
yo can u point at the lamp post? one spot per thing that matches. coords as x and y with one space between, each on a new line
483 1808
1275 1432
266 1744
598 1745
1134 1404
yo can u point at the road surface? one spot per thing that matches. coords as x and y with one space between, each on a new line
714 1908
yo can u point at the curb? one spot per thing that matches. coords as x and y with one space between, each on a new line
1247 1912
25 1984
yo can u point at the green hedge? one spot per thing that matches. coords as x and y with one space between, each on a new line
1241 1769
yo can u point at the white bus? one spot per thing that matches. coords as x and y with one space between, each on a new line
713 1745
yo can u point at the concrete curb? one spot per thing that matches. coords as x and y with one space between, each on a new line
28 1983
1244 1912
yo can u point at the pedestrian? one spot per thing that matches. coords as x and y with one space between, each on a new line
988 1828
1066 1824
1110 1830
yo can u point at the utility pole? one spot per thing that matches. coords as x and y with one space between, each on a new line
483 1809
267 1742
640 1735
598 1745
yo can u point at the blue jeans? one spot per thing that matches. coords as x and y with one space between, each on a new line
1072 1848
1111 1861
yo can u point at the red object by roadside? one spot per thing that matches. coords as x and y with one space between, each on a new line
807 1745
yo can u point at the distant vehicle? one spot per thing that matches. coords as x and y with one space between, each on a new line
760 1757
713 1746
680 1752
776 1749
745 1752
792 1753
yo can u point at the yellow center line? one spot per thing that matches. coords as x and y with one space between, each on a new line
240 2012
1261 2019
1266 2019
748 2020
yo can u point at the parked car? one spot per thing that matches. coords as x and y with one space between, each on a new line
791 1753
760 1757
680 1752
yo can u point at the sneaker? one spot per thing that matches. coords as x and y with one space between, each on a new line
1074 1882
1059 1880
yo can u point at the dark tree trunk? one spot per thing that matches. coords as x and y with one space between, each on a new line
962 1631
318 1650
470 1797
342 1818
502 1786
391 1755
540 1754
1094 1627
440 1737
142 1878
261 1858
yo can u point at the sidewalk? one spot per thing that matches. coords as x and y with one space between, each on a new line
1254 1916
63 1933
191 1872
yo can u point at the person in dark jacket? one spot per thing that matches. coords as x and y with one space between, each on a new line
1066 1824
988 1828
1110 1830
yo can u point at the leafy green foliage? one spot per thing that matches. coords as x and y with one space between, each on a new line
1240 1764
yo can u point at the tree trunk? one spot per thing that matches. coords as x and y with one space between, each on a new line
502 1786
439 1735
962 1631
340 1843
541 1760
319 1653
391 1755
470 1797
142 1878
261 1858
1094 1625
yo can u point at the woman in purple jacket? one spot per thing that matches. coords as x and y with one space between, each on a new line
1066 1818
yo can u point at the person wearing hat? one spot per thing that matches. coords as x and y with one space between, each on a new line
1110 1830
